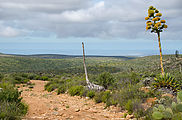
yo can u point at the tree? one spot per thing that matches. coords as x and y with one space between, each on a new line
156 25
177 53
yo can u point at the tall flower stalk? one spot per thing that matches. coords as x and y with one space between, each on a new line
156 25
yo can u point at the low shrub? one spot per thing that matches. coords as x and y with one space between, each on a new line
129 106
9 94
51 87
75 90
12 110
106 79
102 97
98 97
11 107
91 94
45 78
61 89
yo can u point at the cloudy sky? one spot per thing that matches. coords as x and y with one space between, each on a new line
108 27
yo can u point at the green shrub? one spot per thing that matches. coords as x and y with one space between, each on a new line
106 96
129 106
45 78
106 79
12 110
84 92
31 76
102 97
75 90
11 107
98 97
61 89
129 92
9 94
51 88
91 94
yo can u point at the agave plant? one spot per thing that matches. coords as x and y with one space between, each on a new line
166 81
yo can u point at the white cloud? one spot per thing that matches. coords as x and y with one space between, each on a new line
8 31
86 18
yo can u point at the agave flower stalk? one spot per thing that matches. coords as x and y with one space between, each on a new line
156 25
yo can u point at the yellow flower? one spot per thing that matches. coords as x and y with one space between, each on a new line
155 27
158 24
159 14
158 18
146 18
165 26
148 27
155 19
151 8
149 23
156 11
163 21
150 11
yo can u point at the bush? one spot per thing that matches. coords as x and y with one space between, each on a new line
129 106
98 97
61 89
51 88
106 79
75 90
11 107
91 94
9 94
102 97
45 78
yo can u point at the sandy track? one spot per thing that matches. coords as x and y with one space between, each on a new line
45 105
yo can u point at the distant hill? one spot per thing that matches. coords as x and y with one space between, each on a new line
60 56
59 64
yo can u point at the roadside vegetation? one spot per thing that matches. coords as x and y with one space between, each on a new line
11 105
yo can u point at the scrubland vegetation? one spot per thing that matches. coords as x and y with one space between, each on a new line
130 85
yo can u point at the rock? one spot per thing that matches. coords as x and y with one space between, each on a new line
106 116
129 116
86 108
151 100
55 113
77 110
169 95
95 111
145 89
166 90
147 81
64 115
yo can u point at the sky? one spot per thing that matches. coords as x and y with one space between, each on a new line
107 27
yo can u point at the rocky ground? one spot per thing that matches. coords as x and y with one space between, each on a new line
45 105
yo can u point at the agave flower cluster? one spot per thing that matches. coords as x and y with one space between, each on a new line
154 21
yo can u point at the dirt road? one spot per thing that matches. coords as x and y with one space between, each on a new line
45 105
